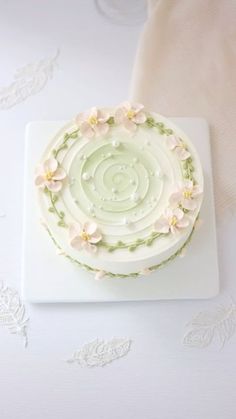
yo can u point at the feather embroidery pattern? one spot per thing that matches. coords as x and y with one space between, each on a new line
12 312
99 353
220 323
28 81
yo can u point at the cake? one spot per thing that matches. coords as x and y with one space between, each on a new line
120 191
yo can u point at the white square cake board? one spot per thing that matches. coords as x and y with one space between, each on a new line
48 277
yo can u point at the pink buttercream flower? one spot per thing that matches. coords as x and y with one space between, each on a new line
93 122
145 271
84 236
99 275
171 221
175 143
186 196
130 115
49 175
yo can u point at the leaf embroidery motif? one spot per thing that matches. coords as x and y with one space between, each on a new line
28 81
207 325
12 312
99 353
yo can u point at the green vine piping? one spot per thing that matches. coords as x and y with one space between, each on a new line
163 130
131 246
186 165
133 274
60 214
64 145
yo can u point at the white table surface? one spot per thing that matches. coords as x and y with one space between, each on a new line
159 378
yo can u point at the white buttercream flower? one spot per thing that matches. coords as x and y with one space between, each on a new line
130 115
85 236
175 143
49 175
186 195
172 221
93 122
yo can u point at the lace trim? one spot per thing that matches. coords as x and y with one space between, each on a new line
99 353
207 326
28 81
12 312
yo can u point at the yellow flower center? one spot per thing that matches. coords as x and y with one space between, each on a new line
84 236
93 120
187 194
130 114
48 175
173 221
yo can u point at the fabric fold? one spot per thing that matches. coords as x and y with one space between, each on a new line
185 66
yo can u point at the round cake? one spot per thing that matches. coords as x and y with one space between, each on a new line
120 191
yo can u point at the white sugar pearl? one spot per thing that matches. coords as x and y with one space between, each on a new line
132 182
114 190
108 155
135 160
159 173
85 176
115 143
135 197
126 221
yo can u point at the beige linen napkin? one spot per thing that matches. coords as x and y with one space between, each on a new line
186 66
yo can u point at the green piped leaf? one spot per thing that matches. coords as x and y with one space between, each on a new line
120 243
74 135
150 122
111 120
51 209
149 241
54 199
61 223
132 248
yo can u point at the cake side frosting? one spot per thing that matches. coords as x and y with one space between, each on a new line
119 197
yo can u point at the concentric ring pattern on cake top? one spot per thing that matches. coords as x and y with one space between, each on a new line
120 190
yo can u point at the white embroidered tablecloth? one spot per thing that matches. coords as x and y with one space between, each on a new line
79 59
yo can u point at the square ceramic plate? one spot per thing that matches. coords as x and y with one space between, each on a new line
48 277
